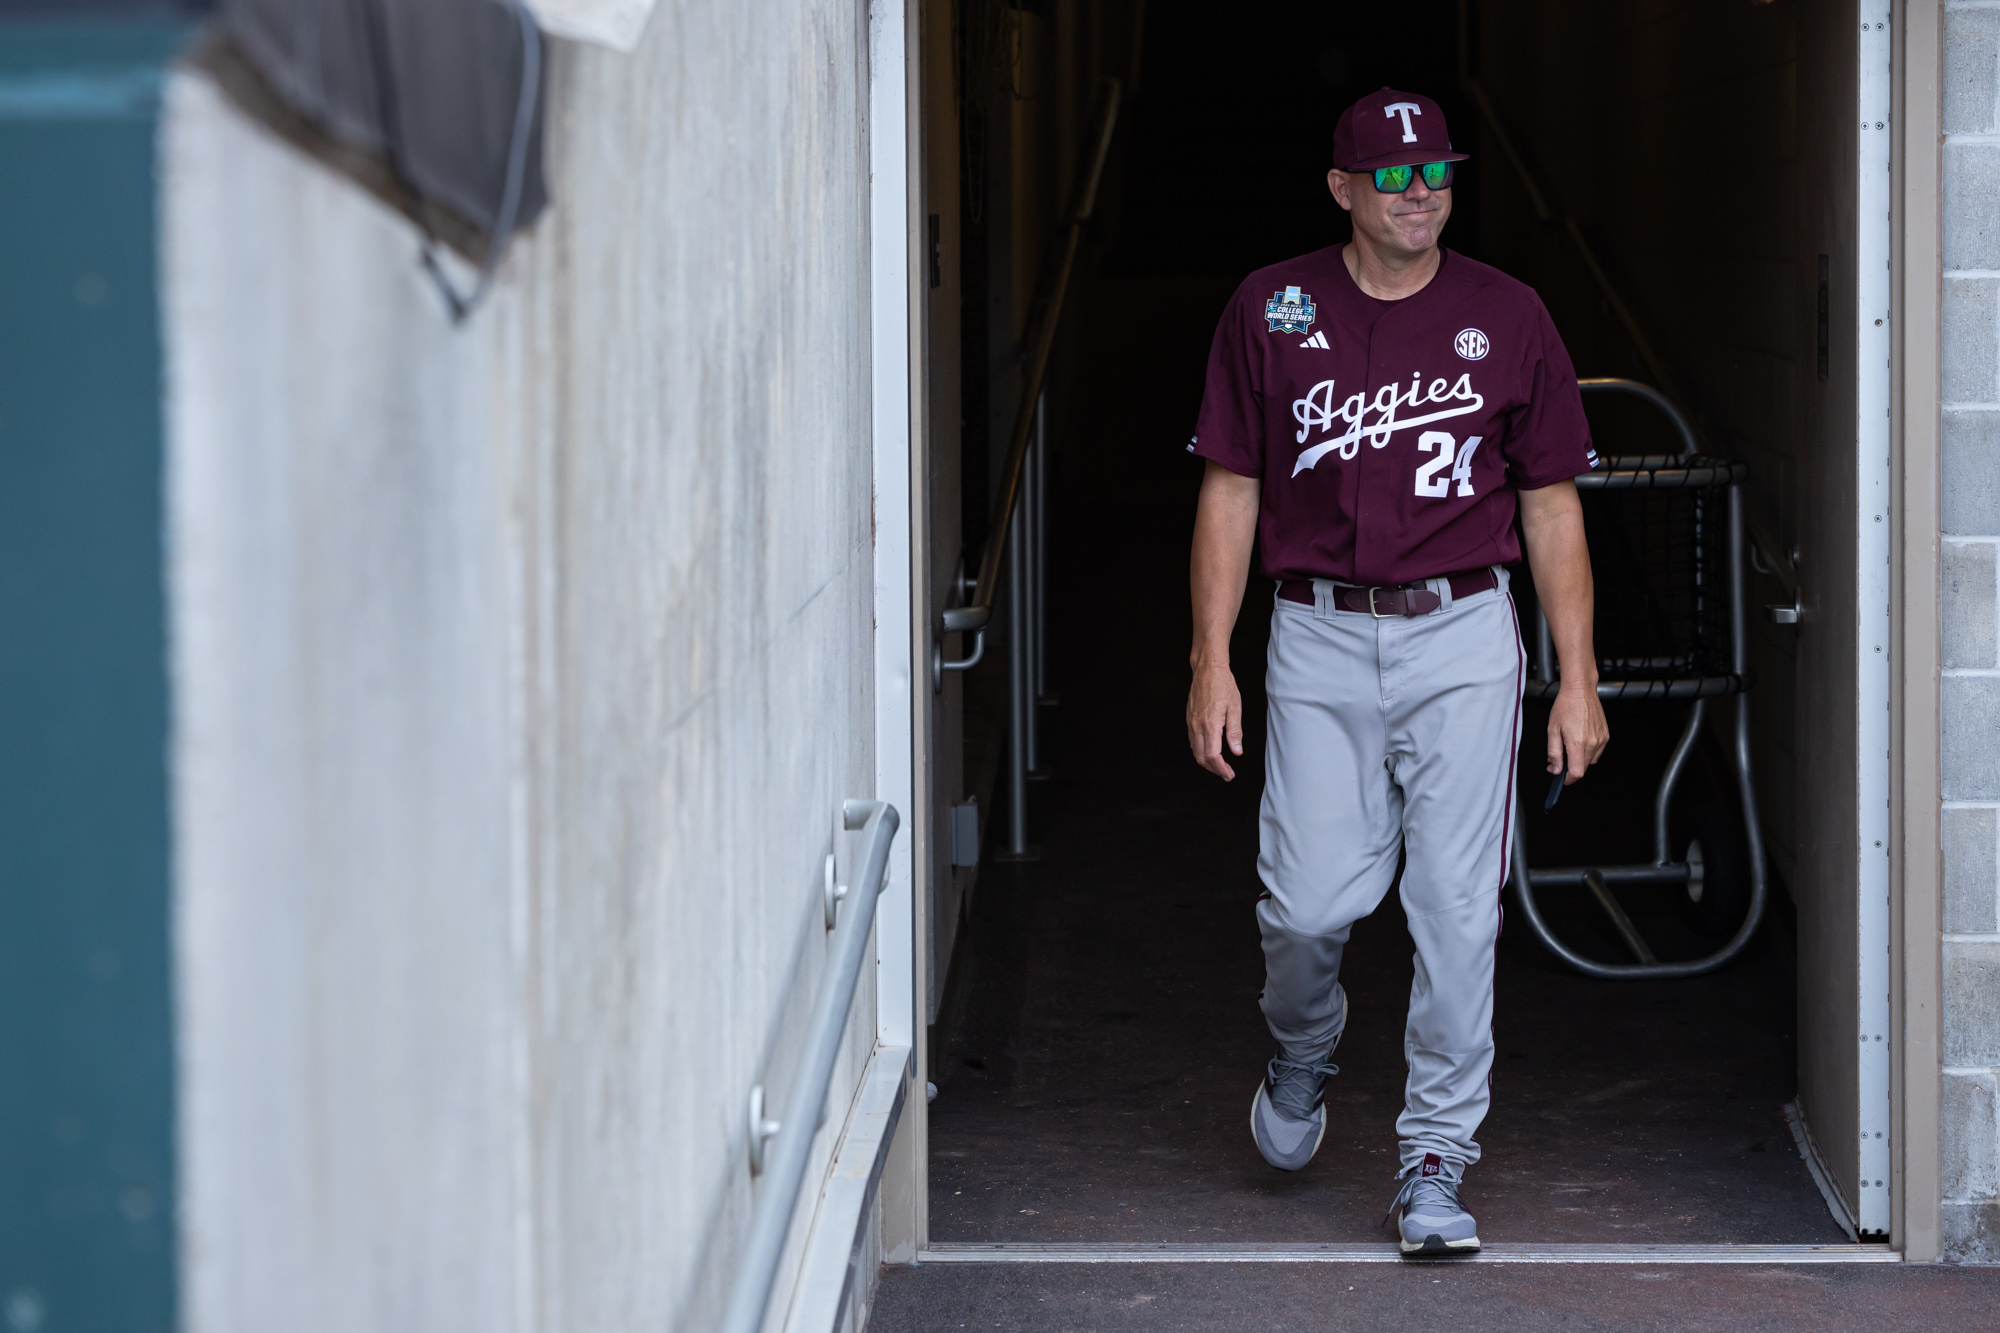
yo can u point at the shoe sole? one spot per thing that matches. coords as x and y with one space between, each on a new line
1436 1244
1321 1138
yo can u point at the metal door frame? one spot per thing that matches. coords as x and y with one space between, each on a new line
1916 948
1873 491
1895 271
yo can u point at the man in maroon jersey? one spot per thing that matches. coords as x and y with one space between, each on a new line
1377 413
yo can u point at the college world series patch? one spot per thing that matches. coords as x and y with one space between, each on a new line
1289 311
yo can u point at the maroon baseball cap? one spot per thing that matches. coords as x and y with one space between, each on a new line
1391 129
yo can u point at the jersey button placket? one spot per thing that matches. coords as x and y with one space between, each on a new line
1371 467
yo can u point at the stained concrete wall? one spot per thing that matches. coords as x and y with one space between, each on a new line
519 671
1971 687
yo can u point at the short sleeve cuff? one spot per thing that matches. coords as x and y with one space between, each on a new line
1550 476
1243 462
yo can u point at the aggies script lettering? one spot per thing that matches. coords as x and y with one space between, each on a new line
1316 410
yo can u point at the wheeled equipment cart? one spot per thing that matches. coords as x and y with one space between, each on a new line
1686 520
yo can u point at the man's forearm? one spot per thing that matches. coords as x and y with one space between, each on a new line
1218 597
1225 527
1568 605
1552 526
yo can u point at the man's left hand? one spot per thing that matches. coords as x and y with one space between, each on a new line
1577 731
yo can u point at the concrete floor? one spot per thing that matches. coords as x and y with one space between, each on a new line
1273 1298
1098 1086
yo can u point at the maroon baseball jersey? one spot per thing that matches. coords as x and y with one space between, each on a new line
1390 435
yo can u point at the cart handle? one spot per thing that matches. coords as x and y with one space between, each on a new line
1639 389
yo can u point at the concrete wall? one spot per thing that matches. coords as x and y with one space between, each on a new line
519 671
1971 693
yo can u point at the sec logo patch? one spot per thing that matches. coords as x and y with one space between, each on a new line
1470 344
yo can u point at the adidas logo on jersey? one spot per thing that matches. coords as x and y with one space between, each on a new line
1317 340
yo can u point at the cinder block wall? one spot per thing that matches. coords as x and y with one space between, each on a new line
1971 647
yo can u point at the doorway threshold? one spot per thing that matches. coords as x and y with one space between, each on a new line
1386 1252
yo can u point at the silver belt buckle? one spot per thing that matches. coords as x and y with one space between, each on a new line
1371 606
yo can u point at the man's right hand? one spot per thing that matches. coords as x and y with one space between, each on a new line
1215 720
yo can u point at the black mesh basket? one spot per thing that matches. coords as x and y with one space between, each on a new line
1658 532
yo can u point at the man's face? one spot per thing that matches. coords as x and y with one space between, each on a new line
1409 223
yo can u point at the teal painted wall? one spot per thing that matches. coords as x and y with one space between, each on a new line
86 1033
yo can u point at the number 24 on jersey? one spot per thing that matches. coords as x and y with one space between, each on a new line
1432 480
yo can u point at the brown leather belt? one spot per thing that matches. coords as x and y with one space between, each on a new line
1410 599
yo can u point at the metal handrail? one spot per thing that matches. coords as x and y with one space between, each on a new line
790 1150
975 614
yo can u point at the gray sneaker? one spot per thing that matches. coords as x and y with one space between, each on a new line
1428 1217
1288 1115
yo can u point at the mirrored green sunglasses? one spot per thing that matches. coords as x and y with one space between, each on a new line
1395 180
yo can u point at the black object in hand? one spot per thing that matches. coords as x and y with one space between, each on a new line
1555 790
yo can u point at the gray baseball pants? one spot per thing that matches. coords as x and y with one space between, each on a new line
1387 735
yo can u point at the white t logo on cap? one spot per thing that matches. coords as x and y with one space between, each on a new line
1405 108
